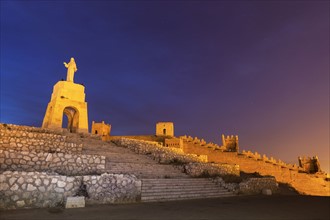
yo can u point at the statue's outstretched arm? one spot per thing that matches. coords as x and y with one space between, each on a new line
65 64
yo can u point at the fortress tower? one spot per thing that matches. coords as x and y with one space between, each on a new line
101 129
165 129
68 99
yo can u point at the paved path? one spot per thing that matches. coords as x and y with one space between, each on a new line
243 207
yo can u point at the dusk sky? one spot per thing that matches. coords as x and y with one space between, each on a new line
256 69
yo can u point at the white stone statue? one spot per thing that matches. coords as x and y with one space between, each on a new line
72 68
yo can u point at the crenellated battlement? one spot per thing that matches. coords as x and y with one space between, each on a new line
230 143
201 142
310 164
303 178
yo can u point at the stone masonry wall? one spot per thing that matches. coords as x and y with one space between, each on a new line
310 184
113 188
13 127
67 164
209 169
157 152
34 189
37 189
24 138
254 186
30 134
43 143
191 164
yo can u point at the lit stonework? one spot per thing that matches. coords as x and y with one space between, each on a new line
165 129
230 143
101 129
68 99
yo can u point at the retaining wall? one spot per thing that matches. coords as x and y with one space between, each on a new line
254 186
29 134
67 164
12 127
24 138
37 189
43 143
113 188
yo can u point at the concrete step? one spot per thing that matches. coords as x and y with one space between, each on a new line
183 197
178 189
177 182
185 193
170 181
142 167
145 171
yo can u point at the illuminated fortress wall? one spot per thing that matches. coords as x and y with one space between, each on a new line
313 184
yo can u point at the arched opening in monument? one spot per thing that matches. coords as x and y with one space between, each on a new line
65 121
72 119
164 131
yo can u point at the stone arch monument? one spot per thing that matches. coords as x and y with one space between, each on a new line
68 99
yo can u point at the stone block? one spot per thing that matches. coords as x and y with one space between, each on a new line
31 187
75 202
20 203
267 192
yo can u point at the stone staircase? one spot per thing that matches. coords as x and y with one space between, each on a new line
145 170
160 182
155 190
120 160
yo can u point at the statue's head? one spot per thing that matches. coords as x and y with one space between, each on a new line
72 59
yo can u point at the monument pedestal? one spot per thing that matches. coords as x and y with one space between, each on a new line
67 98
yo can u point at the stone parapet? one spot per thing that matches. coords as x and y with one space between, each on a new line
67 164
211 170
157 152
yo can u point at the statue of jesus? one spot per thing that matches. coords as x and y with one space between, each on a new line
72 68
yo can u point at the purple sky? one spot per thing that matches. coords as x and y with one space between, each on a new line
252 68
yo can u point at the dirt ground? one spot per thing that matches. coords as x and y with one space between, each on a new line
243 207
